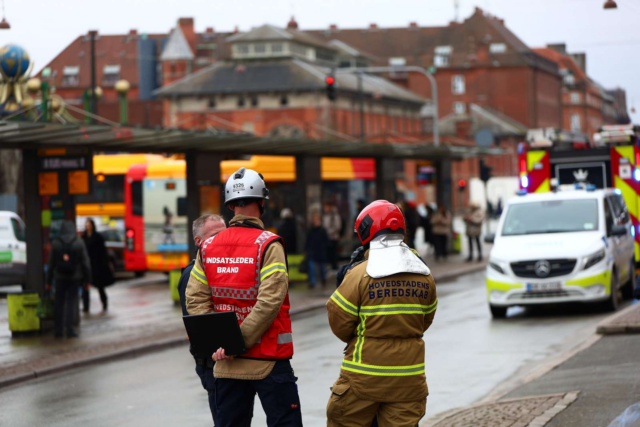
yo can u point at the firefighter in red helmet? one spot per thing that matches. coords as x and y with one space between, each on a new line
381 310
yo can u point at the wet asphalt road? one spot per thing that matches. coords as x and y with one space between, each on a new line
468 354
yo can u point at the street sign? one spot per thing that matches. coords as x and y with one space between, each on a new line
484 138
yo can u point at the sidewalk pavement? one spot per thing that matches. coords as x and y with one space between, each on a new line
596 387
141 318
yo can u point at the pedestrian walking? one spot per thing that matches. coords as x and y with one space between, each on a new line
100 267
316 250
68 268
412 220
473 220
287 229
426 225
440 229
333 225
246 273
381 310
204 227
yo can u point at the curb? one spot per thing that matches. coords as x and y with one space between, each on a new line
134 351
447 277
609 327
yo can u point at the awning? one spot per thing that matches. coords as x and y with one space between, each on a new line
27 135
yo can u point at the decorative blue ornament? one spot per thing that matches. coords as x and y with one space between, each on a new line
14 61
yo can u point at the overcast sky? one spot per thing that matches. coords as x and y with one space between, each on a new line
45 27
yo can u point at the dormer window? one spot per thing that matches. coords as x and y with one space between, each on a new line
71 76
277 48
242 49
497 48
111 74
259 48
442 57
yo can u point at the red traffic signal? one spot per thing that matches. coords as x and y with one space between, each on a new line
331 88
462 184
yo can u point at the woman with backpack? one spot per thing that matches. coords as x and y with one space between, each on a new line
102 273
69 268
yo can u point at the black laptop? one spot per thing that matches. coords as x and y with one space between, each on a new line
211 331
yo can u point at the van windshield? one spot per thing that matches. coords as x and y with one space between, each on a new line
552 216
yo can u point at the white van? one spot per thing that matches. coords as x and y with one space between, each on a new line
13 249
564 246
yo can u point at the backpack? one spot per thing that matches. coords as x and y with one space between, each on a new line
66 259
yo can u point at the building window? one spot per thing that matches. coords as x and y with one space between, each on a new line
575 123
212 103
260 48
569 79
442 56
242 49
344 64
459 107
241 101
277 48
575 98
457 85
397 62
497 48
284 100
299 50
111 74
71 76
254 101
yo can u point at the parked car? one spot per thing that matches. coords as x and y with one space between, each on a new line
13 250
561 247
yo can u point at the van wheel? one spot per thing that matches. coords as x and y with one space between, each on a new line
613 302
627 289
498 312
140 273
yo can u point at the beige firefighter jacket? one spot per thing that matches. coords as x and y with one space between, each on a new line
382 321
271 294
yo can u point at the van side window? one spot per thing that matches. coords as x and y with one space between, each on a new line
608 215
623 212
18 229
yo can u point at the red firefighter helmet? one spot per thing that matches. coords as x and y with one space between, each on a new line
380 217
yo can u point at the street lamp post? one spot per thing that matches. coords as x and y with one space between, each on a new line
408 69
122 87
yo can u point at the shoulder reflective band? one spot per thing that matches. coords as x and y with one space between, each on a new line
381 310
285 338
385 371
195 272
344 304
276 267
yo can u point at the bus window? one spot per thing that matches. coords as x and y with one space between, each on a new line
182 206
136 198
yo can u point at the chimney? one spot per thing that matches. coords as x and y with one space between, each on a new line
413 25
133 32
581 60
558 47
373 26
236 30
209 30
333 27
463 128
186 25
292 24
478 10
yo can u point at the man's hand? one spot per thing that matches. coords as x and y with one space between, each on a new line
220 354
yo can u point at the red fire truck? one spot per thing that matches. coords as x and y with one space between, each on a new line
552 158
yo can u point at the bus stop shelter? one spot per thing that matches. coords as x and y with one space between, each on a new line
47 144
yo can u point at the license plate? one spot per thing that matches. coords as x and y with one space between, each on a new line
544 287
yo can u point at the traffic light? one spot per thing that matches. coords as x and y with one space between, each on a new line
462 184
485 171
331 88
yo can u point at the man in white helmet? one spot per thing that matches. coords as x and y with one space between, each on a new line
244 269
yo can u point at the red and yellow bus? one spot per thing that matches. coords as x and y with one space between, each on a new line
155 202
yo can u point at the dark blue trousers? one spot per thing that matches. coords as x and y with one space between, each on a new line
278 394
206 377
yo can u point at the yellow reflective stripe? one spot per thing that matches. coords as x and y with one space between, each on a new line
273 265
346 301
357 354
201 277
533 158
198 270
342 305
387 371
274 270
387 309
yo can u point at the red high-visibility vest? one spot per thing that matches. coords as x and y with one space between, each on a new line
233 264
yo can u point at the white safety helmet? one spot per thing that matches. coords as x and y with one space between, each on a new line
245 184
